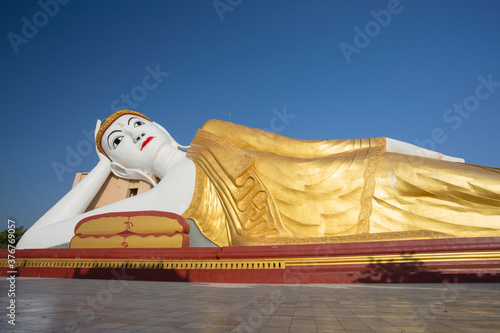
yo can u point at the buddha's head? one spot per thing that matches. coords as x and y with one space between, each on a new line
132 142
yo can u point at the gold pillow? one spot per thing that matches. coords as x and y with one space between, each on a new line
143 229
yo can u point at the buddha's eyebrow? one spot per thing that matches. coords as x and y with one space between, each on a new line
131 119
110 136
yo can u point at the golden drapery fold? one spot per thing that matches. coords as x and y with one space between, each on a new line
260 188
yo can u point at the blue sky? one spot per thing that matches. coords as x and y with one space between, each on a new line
423 72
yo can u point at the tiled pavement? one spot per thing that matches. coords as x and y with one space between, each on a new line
71 305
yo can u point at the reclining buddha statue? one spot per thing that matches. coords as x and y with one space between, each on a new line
241 186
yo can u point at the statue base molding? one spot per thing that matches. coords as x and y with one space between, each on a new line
414 261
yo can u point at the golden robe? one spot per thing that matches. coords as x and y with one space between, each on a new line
260 188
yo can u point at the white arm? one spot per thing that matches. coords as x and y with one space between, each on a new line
173 194
73 204
77 200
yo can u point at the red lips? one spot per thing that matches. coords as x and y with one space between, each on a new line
145 142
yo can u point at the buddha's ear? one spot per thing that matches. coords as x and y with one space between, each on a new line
97 126
171 138
102 157
136 174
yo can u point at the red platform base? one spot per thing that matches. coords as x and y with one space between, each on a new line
458 260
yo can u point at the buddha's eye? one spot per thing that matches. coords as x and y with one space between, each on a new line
117 141
138 123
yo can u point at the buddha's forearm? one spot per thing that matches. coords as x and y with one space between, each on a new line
78 199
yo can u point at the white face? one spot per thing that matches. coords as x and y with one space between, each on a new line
134 142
